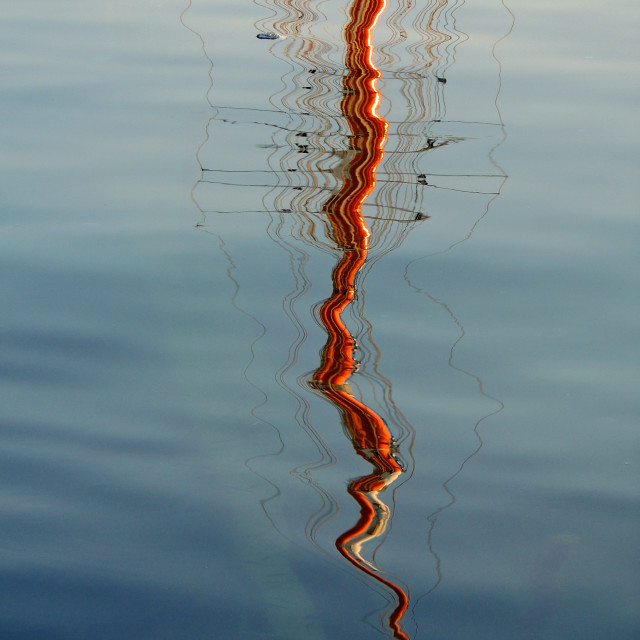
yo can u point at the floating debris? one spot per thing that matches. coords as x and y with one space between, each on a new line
268 36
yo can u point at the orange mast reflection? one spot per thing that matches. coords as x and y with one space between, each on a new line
369 434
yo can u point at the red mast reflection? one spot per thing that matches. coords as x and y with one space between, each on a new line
369 434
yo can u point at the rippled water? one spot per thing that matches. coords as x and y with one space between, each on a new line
332 335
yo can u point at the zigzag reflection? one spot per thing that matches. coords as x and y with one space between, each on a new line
343 179
370 436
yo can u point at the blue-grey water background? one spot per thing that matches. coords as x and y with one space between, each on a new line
167 472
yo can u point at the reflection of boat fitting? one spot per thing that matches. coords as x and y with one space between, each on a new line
399 461
394 452
369 453
374 455
324 386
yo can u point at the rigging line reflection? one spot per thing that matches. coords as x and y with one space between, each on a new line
329 506
368 433
300 167
355 239
262 329
389 231
499 405
202 46
315 132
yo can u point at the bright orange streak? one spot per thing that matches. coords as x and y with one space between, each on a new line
369 434
344 211
369 130
367 515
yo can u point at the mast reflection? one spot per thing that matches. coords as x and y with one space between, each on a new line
330 157
369 435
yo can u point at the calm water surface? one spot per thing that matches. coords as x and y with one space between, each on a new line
332 335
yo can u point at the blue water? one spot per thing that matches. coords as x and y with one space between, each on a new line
167 469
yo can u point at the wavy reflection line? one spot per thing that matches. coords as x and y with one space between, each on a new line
308 89
202 46
262 330
499 405
421 31
275 229
328 505
304 156
310 159
433 516
427 26
367 431
317 149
